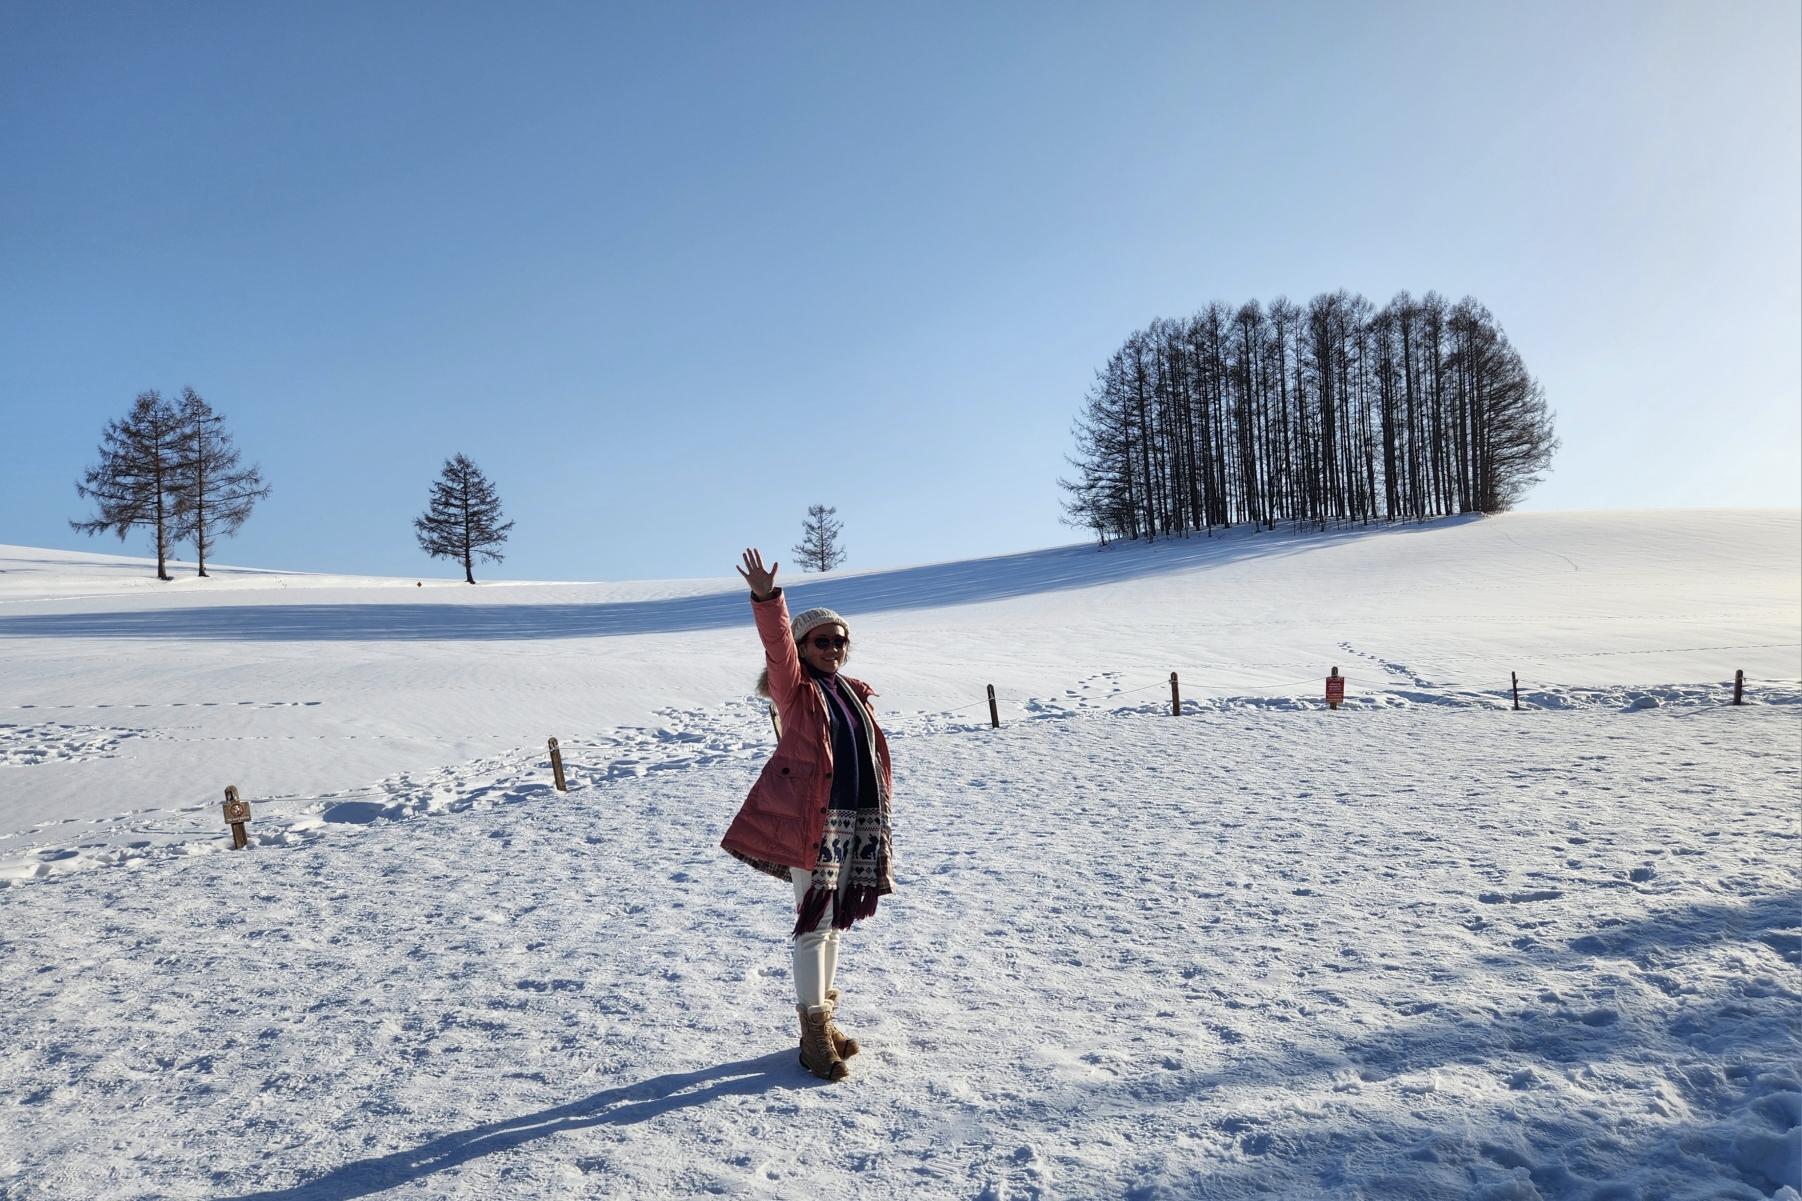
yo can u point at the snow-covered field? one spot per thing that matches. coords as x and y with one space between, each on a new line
1424 946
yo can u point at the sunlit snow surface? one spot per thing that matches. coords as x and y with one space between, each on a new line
1425 946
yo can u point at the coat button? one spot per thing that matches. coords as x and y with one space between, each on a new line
828 775
822 808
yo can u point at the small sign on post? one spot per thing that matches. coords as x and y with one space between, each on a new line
994 713
237 813
1176 698
1335 689
557 766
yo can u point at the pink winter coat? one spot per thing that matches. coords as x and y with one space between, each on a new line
783 820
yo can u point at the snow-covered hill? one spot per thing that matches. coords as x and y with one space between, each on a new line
1425 946
130 694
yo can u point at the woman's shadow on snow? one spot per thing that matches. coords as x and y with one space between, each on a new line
624 1106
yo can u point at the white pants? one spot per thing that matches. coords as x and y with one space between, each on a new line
816 952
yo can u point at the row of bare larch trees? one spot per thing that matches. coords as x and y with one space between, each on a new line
1336 412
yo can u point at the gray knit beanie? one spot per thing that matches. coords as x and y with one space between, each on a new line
816 617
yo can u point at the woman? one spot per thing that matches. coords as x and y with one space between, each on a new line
818 816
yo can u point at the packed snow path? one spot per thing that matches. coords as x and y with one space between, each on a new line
1424 951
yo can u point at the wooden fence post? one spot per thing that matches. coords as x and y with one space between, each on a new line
1176 698
994 713
557 766
776 722
1334 692
1514 678
237 813
1739 687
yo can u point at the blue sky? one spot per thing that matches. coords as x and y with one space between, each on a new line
670 273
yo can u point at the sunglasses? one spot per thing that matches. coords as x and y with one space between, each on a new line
831 644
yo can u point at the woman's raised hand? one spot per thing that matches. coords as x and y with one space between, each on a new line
762 582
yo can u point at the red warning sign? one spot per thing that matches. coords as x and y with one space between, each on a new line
1335 689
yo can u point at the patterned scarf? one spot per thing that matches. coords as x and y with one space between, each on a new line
852 840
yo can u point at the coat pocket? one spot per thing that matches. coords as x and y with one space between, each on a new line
785 788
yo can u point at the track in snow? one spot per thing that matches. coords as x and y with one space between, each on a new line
1421 950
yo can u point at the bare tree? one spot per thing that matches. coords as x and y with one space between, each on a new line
462 520
214 495
1332 412
138 479
818 549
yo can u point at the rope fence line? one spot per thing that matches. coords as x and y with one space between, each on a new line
295 798
1278 687
376 790
1148 688
1670 650
237 810
1336 686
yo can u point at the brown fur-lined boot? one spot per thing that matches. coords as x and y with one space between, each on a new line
817 1052
841 1042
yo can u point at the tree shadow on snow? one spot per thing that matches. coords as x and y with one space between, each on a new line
969 581
624 1106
